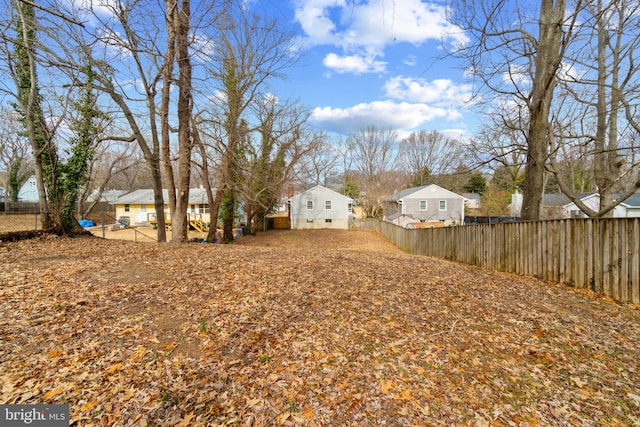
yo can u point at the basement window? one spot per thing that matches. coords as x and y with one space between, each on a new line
327 220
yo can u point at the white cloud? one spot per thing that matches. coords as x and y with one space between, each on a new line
517 75
313 16
202 47
388 113
373 24
93 11
115 42
571 73
355 64
438 91
410 60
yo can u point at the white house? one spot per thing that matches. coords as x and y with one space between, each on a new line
472 200
29 190
630 208
558 206
320 207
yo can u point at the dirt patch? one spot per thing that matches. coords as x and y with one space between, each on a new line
355 240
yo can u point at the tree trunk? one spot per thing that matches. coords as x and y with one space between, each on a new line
167 77
185 106
547 62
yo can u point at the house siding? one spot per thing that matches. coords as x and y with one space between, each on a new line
409 204
593 202
139 198
433 212
303 218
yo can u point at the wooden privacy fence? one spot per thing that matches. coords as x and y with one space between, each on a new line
599 254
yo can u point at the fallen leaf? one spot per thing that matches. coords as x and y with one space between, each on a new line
113 368
51 393
386 386
186 421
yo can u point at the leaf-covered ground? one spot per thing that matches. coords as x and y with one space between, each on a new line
305 328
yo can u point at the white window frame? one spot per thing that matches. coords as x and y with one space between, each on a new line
127 207
327 205
425 205
440 208
309 205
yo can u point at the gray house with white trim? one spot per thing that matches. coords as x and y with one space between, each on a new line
428 203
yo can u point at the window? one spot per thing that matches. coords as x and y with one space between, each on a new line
203 208
309 205
327 205
143 208
309 220
126 208
350 207
423 205
327 220
443 205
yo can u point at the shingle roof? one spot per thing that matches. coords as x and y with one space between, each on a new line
559 199
633 200
145 197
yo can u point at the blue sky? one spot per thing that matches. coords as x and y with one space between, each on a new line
376 62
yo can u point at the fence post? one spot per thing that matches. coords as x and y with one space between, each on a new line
35 222
135 235
102 222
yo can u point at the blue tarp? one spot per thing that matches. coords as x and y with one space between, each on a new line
86 223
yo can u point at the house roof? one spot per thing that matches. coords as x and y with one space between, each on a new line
145 197
471 196
408 191
402 194
559 199
318 188
108 195
397 215
633 201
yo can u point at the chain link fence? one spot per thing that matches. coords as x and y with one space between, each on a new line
21 216
12 222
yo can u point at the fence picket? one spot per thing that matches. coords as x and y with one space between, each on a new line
600 254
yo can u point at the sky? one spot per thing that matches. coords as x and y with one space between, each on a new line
377 62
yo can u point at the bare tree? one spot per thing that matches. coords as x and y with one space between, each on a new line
15 161
603 96
31 48
321 163
278 145
123 51
511 59
111 162
501 147
427 153
178 26
372 153
249 50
